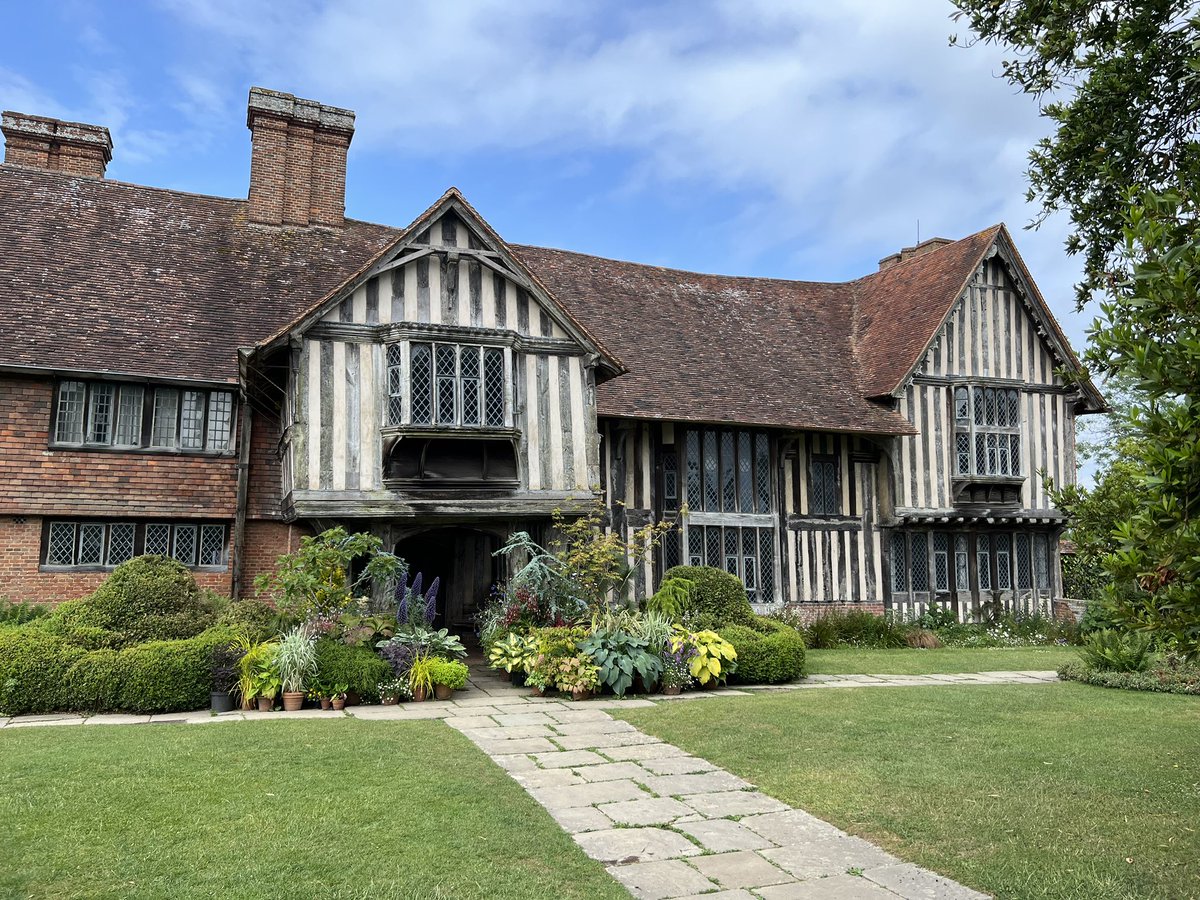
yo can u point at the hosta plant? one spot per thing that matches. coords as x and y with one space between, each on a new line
515 653
714 659
619 655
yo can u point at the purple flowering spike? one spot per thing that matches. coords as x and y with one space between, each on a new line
401 597
416 585
431 601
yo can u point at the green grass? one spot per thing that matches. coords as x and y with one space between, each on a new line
945 660
336 809
1062 791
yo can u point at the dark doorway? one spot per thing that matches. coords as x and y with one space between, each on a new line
462 559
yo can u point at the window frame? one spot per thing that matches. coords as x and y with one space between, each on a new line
824 462
107 563
406 407
977 440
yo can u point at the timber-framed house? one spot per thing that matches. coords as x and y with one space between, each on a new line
212 378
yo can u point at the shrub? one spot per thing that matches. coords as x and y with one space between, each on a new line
257 620
149 598
1161 679
923 639
766 658
33 670
619 655
452 674
716 596
20 613
359 668
1116 651
167 676
671 598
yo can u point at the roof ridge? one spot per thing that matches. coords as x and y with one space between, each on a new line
930 253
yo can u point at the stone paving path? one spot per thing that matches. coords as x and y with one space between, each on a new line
665 823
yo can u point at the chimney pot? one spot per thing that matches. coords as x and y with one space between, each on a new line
908 253
298 159
55 145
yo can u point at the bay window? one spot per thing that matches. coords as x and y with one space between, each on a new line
453 385
987 431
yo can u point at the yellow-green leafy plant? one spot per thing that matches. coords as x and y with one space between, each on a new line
715 658
515 653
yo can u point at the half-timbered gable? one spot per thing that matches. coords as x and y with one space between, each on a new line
212 378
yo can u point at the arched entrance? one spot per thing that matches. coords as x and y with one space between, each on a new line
462 558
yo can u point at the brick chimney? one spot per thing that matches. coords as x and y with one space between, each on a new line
297 160
57 146
909 252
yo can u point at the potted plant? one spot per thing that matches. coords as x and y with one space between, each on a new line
338 697
266 687
224 678
714 660
578 676
394 690
513 655
676 673
322 692
296 662
255 656
447 676
538 681
420 680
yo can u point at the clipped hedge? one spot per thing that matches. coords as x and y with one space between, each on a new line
1161 680
717 598
359 668
33 670
256 619
772 653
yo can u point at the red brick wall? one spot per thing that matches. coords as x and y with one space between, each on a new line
263 497
21 580
810 612
37 479
265 543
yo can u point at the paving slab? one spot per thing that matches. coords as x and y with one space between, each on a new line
742 869
630 845
660 880
651 811
595 726
636 703
507 733
824 857
836 887
519 745
678 765
734 803
722 895
571 714
400 712
603 741
611 771
577 819
515 763
724 835
915 883
522 718
40 721
789 827
569 759
116 719
589 794
643 751
462 723
703 783
540 778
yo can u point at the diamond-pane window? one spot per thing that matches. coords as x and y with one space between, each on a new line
766 565
91 544
220 420
670 476
963 444
158 539
712 491
983 560
745 469
120 542
395 403
762 472
919 552
962 407
1014 453
962 567
825 498
421 383
129 416
1021 551
981 454
60 547
212 545
1003 562
728 473
978 400
691 444
1041 561
1014 409
941 561
987 431
470 385
493 387
993 465
695 545
712 548
899 565
184 548
732 550
447 381
100 414
191 423
68 426
670 549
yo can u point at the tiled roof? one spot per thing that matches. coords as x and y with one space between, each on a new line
111 277
100 275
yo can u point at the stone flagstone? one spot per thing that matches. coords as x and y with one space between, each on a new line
742 869
660 880
630 845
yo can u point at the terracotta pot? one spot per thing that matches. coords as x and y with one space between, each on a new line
419 694
293 700
265 704
339 703
710 685
389 701
507 676
580 695
326 703
672 690
352 698
536 691
443 691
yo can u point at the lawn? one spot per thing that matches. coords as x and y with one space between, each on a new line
1063 791
337 809
945 660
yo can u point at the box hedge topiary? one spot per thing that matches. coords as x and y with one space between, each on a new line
770 658
717 598
256 619
33 670
359 668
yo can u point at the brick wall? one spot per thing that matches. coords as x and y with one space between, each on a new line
810 612
263 497
265 542
36 479
21 580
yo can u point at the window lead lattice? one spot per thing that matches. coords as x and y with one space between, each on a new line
91 544
941 561
1001 545
446 374
129 416
212 545
191 422
120 542
72 396
962 564
395 407
728 473
421 378
158 539
899 565
695 495
1021 552
762 472
100 414
919 553
493 386
712 490
745 443
220 420
983 560
184 545
60 550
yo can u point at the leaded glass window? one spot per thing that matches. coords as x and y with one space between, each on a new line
68 428
60 546
727 471
108 544
748 552
695 495
983 560
395 403
212 545
450 384
712 492
732 551
446 368
899 565
158 539
1021 551
91 544
191 422
183 547
987 431
729 495
762 473
941 560
1041 561
766 564
100 414
163 427
962 564
670 548
129 416
695 545
1001 544
745 471
121 537
824 492
421 383
493 387
919 553
670 476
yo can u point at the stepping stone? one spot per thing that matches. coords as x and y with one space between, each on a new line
564 759
743 869
916 883
595 726
644 751
570 714
723 835
462 723
652 811
603 741
824 857
837 887
515 763
540 778
588 794
705 783
734 803
506 719
660 880
680 765
525 745
611 771
510 733
577 819
791 827
630 845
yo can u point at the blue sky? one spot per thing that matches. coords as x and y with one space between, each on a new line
789 139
